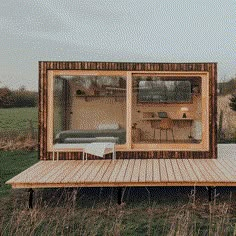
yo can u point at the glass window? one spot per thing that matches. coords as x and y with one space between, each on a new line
166 109
89 109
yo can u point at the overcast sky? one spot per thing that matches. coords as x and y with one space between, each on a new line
118 30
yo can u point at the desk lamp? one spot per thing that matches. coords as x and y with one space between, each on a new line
184 109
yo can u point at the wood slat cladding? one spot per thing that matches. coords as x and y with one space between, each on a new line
135 155
211 68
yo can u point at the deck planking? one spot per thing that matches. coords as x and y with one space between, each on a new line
135 171
186 166
128 172
102 170
156 170
149 170
175 166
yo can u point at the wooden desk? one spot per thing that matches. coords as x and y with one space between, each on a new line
180 122
174 119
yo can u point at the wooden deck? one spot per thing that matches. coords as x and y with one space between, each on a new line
133 172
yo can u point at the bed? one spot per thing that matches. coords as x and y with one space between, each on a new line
89 136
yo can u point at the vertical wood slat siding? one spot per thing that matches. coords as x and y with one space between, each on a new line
40 112
136 155
207 67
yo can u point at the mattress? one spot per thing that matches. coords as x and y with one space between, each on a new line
79 136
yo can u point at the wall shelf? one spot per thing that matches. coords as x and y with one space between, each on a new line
86 97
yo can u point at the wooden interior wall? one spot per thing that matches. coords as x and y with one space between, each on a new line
107 110
45 66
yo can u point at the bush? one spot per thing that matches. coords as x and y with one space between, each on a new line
25 99
17 98
6 98
232 103
228 87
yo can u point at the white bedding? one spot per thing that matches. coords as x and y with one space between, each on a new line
99 149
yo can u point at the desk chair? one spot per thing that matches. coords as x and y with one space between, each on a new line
155 124
167 124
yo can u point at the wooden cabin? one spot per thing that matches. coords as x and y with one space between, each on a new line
107 124
148 110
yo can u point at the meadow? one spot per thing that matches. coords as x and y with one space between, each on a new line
18 128
18 118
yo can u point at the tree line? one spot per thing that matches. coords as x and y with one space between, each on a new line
17 98
229 87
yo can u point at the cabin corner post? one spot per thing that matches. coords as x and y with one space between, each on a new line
213 110
214 127
42 114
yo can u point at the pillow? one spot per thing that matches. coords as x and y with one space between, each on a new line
114 126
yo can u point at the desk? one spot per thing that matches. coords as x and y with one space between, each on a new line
174 119
179 122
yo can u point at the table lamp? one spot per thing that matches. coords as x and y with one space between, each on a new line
184 109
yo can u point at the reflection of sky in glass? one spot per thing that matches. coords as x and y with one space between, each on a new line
169 85
88 81
161 90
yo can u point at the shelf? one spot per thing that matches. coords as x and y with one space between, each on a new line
99 96
174 119
86 97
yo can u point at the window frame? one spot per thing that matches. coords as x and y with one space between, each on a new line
130 146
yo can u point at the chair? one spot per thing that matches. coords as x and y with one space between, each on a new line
167 124
155 124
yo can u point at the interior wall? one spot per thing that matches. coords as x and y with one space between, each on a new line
89 112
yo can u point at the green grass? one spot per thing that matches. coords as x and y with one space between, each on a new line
11 164
17 118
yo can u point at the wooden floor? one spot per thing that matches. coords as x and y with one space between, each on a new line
133 172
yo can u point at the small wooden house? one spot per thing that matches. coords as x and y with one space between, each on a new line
135 124
147 110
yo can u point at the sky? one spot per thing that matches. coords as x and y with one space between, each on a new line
114 30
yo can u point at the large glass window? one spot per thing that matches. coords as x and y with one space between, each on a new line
89 108
166 109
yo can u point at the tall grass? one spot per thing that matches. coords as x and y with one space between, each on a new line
66 213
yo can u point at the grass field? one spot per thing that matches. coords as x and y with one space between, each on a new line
94 211
12 163
18 118
18 128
